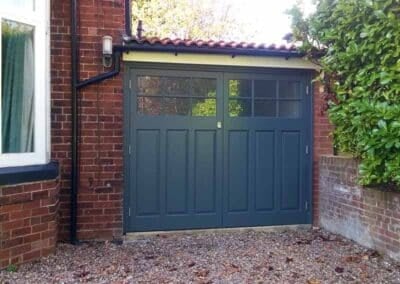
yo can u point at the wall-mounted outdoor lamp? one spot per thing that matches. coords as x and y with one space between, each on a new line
107 51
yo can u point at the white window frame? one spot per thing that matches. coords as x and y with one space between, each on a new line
39 18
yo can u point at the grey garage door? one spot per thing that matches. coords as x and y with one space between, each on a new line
215 149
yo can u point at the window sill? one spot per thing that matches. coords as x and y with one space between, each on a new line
17 175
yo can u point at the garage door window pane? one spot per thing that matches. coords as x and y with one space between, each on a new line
149 105
149 86
289 109
289 89
239 107
163 86
204 87
175 86
204 107
176 106
240 88
265 108
265 89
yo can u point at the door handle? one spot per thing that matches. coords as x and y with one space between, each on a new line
219 124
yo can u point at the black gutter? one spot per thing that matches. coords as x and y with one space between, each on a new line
135 46
76 85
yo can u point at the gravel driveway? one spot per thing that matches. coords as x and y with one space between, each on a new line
300 256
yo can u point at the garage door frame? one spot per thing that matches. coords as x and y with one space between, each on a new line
128 96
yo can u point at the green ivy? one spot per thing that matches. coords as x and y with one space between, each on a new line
360 64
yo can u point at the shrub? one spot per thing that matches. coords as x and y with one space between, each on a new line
360 64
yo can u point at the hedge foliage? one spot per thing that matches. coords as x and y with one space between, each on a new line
361 66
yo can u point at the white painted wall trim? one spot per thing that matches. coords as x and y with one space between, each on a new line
219 60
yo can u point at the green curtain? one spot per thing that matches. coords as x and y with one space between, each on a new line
17 91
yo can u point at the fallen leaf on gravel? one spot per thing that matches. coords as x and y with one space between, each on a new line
82 274
232 268
353 258
289 259
313 281
303 242
339 269
373 254
202 273
364 275
172 269
163 236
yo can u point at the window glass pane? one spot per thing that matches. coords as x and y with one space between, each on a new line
289 89
176 106
204 107
149 105
239 107
18 4
18 88
203 87
265 108
175 86
289 109
265 89
149 86
240 88
163 86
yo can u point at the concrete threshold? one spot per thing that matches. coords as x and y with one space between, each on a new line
271 229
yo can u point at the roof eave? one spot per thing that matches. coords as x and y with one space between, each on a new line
133 46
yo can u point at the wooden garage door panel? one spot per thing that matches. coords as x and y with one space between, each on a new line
237 171
147 172
290 171
177 172
265 171
205 171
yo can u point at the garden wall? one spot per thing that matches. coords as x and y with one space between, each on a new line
28 221
368 216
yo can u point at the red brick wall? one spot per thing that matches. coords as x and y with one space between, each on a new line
100 108
28 221
322 144
368 216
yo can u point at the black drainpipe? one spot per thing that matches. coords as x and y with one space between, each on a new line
128 18
76 84
74 106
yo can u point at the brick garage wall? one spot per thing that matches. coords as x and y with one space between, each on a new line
100 120
323 144
28 221
368 216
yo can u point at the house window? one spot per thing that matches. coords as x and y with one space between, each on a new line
24 84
